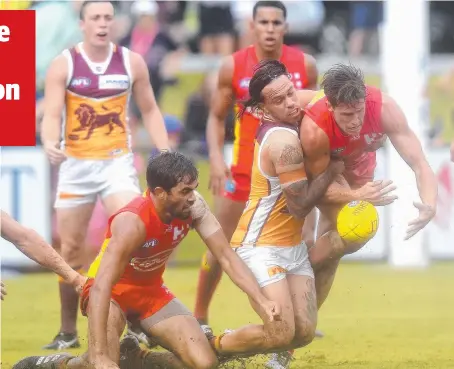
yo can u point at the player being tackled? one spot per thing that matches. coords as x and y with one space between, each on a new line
268 236
125 280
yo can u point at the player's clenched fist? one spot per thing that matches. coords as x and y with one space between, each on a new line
272 310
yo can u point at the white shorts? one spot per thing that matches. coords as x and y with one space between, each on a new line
271 264
82 181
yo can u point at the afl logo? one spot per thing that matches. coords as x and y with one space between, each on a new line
338 150
244 83
151 243
352 204
81 82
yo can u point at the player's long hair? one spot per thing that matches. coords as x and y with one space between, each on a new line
264 73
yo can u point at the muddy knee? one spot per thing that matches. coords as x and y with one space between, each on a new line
328 247
338 246
351 248
279 338
304 334
206 361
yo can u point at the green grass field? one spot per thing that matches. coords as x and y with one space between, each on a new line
374 318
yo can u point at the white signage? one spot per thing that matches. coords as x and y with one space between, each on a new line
25 195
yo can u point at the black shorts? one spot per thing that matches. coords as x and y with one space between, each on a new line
215 20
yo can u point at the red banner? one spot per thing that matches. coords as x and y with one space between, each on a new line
17 78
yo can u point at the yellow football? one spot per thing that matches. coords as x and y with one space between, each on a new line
357 222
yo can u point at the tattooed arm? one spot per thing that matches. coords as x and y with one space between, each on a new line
287 159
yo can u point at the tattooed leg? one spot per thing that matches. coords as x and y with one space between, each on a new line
325 257
302 289
324 279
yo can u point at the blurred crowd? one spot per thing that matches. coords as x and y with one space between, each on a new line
163 32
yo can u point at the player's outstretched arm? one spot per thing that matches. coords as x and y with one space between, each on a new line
32 245
287 158
54 102
128 233
146 102
209 229
215 130
409 148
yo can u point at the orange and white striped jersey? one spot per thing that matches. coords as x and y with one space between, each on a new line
95 124
265 220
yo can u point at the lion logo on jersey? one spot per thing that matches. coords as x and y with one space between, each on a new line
90 120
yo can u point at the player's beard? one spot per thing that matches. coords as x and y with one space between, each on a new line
185 214
181 213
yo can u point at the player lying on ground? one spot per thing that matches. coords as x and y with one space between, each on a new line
128 273
350 121
268 237
32 245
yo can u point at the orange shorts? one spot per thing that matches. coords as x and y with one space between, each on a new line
136 301
239 188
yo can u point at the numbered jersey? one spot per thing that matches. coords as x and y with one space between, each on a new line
147 264
359 161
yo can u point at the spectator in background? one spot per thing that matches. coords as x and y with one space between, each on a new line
174 129
217 34
441 131
366 16
140 38
446 84
241 11
57 27
196 117
156 42
171 12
